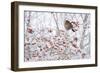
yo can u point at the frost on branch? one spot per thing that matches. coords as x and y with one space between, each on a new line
56 36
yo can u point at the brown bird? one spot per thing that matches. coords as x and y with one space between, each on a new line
71 25
68 25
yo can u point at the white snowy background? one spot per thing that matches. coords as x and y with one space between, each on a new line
46 37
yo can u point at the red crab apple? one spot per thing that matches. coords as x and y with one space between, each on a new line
29 29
